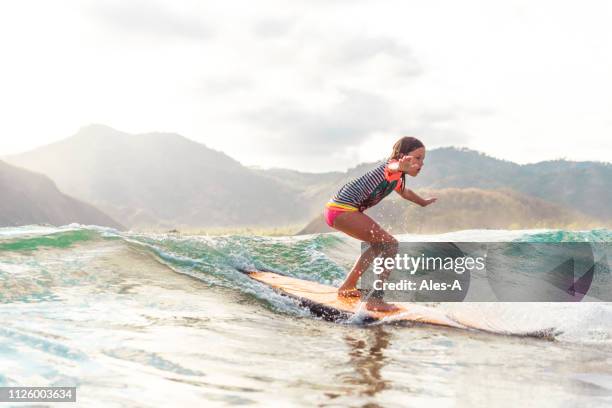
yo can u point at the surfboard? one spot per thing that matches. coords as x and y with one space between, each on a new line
323 301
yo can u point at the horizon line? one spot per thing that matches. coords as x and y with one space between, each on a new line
262 167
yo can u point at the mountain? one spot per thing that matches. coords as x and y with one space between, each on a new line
582 186
30 198
312 189
468 208
163 180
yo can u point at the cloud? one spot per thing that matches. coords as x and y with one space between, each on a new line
271 28
440 126
356 121
355 50
151 18
434 135
293 128
364 49
344 3
224 85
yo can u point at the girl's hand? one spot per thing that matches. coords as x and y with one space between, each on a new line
410 165
405 162
428 201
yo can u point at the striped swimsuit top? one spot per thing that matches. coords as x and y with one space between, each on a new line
367 191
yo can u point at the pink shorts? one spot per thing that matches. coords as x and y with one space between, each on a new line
331 213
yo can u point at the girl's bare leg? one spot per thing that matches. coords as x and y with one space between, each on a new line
348 287
360 226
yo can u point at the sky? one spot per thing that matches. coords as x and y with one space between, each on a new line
313 85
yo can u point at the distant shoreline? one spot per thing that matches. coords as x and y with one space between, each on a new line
292 230
286 230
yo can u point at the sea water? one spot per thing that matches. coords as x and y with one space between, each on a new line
136 319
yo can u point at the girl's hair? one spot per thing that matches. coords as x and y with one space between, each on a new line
404 146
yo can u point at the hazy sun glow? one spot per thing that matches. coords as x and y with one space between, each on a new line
313 85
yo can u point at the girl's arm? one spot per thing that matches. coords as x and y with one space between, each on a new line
415 198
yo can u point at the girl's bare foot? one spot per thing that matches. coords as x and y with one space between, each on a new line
378 305
353 292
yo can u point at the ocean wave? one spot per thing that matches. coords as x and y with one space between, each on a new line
33 266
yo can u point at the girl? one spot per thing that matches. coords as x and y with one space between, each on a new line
345 211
